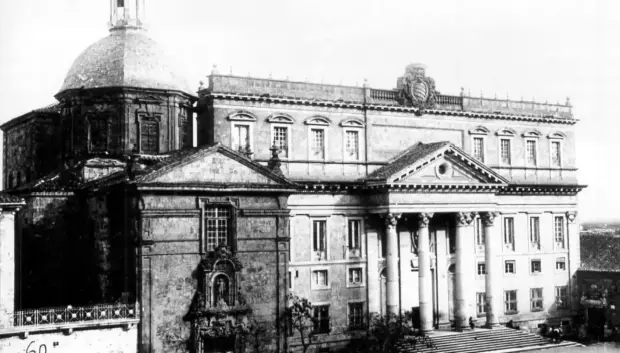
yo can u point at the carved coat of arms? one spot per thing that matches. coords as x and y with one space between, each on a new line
417 90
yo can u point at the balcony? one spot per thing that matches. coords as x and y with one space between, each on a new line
69 318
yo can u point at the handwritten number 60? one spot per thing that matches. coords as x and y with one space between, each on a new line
42 348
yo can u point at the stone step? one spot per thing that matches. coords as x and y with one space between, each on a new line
502 339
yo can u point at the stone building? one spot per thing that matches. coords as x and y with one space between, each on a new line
360 199
598 281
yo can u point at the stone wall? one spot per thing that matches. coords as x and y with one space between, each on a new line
386 134
94 339
54 240
124 112
173 246
31 149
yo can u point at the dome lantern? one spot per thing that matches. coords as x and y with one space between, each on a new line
127 14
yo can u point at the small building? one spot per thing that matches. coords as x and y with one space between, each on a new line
598 281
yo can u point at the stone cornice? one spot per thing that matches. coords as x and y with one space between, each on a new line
264 212
498 189
267 98
227 188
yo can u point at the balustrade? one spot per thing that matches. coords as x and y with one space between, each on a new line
52 316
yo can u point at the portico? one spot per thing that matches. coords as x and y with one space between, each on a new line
464 292
426 181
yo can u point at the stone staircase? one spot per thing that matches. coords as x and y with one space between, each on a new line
484 340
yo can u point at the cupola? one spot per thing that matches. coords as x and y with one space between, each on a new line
127 14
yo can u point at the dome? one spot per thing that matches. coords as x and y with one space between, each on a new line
125 58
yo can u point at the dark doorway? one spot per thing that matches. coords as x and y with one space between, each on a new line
220 345
596 322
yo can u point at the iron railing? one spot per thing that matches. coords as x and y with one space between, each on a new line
51 316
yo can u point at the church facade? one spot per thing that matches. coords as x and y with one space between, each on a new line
362 200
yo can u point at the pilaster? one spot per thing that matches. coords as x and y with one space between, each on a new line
7 268
574 259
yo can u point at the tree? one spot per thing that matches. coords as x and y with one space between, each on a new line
300 316
255 335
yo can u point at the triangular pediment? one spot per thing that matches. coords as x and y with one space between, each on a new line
209 166
442 170
435 163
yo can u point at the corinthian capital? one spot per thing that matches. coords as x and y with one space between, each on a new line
391 219
488 218
424 219
464 218
571 216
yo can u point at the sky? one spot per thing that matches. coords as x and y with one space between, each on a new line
545 50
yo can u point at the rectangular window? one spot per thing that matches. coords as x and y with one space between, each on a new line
479 148
217 222
354 234
535 231
505 151
319 278
318 232
536 299
321 316
531 152
120 3
509 229
317 148
556 154
356 316
185 133
98 134
280 140
561 297
482 270
510 266
479 231
241 138
510 302
536 266
355 276
352 148
290 280
480 304
558 231
149 136
560 264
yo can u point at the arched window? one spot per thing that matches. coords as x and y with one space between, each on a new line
478 142
11 180
242 134
19 179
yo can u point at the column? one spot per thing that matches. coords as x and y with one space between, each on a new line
392 288
493 268
7 268
464 291
425 281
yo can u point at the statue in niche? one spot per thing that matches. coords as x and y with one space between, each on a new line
220 290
